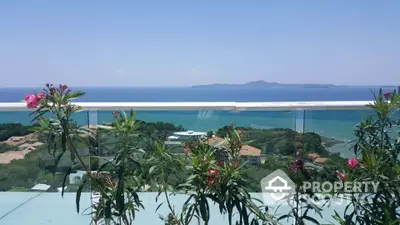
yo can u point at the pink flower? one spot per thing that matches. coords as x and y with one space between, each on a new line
387 95
342 176
353 163
32 101
298 165
213 172
210 180
40 96
185 150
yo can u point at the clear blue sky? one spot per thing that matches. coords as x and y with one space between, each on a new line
175 43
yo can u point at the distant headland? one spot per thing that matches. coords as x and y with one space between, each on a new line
264 84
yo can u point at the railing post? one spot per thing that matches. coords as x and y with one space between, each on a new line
299 126
300 117
93 117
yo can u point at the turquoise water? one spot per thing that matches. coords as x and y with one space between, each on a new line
338 124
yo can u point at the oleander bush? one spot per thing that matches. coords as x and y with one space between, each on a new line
377 151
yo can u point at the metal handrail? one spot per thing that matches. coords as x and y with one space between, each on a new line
223 106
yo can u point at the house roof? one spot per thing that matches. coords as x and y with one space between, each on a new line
41 187
190 133
248 150
313 155
321 160
215 141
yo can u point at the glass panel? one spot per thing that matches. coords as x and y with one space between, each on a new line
337 125
30 193
270 133
337 129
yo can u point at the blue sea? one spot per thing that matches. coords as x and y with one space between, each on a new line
124 94
338 124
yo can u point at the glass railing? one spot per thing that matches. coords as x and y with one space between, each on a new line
275 133
29 182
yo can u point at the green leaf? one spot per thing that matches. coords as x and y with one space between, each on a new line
78 194
283 217
37 129
191 177
395 222
65 180
39 117
152 168
337 218
120 197
117 124
310 219
158 207
124 117
107 209
75 95
131 118
204 209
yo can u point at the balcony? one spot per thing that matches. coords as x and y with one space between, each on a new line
319 132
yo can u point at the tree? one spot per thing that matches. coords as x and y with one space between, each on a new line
285 147
210 134
8 130
313 143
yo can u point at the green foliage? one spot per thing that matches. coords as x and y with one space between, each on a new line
119 185
163 164
24 174
222 183
254 174
158 131
377 147
5 148
8 130
210 134
283 141
313 143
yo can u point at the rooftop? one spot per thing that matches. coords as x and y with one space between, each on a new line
190 133
313 155
215 141
248 150
321 160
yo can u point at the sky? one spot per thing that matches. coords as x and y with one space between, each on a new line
185 42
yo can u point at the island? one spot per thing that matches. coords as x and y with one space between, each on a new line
264 84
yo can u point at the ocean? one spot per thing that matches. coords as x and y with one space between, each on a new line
124 94
338 124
